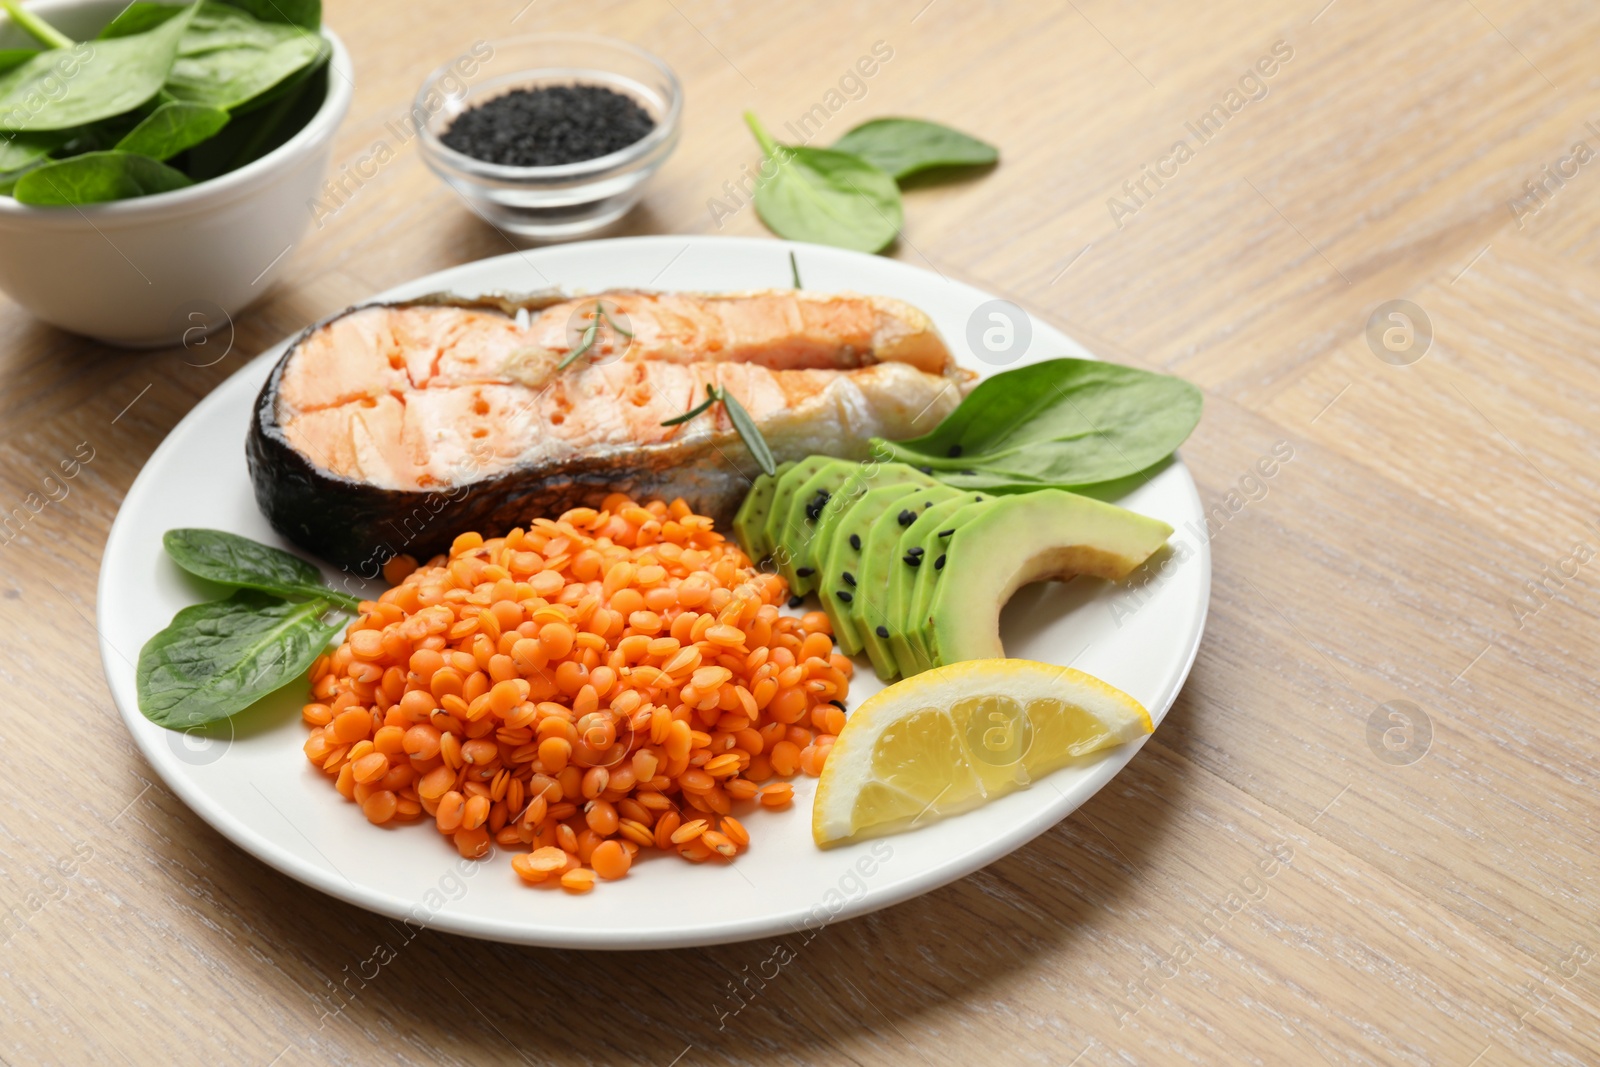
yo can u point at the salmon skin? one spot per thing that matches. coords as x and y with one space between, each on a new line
391 428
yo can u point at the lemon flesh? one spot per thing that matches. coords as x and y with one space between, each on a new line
948 740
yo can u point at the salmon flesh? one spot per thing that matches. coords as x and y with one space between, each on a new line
391 428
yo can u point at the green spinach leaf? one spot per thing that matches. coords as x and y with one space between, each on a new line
9 179
228 559
257 130
18 150
293 85
1063 423
829 197
227 58
217 659
303 13
172 128
96 177
902 147
141 16
15 57
101 79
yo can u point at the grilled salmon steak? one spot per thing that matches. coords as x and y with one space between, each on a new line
390 428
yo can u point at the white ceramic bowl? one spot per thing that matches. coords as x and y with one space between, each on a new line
142 272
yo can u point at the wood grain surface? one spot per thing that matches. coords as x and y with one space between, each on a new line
1285 874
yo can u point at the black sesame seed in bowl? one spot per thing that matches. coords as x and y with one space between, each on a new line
557 135
549 126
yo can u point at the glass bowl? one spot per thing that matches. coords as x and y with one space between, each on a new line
573 199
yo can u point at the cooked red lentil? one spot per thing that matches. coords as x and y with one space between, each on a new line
605 683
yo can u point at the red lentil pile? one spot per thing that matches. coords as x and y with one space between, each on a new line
611 681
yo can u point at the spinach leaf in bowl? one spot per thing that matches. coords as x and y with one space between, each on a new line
209 86
20 150
172 128
97 177
141 16
15 57
303 13
108 79
261 126
227 58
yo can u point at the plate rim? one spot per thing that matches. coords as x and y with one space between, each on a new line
693 934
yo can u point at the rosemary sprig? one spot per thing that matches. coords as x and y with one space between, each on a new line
742 422
752 436
794 269
698 409
603 313
591 333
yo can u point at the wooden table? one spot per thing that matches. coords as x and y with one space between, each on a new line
1296 869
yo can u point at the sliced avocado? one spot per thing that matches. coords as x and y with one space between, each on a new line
842 534
1025 538
797 564
936 549
749 524
916 551
869 602
778 510
852 489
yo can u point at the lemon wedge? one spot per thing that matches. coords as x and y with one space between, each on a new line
949 739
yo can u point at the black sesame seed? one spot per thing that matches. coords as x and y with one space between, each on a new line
849 579
938 564
883 632
844 595
917 551
947 533
915 561
855 542
838 704
925 470
955 450
796 601
549 126
907 517
805 572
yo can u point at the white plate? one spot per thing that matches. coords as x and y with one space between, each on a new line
250 780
